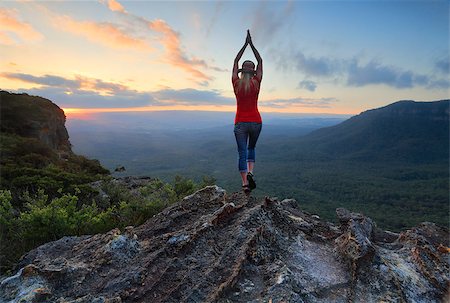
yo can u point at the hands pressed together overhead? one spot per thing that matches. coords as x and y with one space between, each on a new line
248 39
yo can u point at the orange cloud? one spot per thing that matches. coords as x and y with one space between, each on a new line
5 39
99 86
105 33
11 27
121 37
171 41
114 6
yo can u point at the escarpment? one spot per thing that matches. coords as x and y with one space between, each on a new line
34 117
219 247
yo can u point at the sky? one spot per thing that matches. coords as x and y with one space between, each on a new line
335 57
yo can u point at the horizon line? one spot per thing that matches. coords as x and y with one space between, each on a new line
72 111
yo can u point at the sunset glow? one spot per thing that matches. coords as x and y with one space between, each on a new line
319 57
85 112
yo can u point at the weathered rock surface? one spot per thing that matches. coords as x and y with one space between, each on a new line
214 247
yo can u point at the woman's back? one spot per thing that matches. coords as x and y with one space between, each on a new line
247 91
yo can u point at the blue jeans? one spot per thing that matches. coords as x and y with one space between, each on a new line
246 134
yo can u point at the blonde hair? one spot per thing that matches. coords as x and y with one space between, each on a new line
246 76
244 82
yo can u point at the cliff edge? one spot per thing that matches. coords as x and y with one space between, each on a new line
34 117
216 247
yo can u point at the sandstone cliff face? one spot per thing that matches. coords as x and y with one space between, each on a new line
34 117
214 247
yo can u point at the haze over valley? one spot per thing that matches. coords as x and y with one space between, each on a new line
392 155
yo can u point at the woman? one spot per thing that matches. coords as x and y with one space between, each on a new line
248 123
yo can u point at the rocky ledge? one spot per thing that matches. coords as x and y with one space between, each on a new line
214 247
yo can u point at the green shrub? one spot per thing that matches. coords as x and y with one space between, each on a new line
183 186
9 232
6 214
43 216
43 221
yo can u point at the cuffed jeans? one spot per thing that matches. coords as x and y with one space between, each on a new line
246 134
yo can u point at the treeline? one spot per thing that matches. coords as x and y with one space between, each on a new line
396 196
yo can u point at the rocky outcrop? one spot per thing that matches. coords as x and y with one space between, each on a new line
214 247
34 117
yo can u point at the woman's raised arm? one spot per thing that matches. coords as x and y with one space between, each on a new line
259 67
234 75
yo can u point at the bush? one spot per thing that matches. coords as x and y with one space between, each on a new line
9 232
41 217
6 214
183 186
28 164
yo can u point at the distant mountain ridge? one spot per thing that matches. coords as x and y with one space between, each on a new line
403 131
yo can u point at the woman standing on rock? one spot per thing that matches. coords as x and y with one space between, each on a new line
248 123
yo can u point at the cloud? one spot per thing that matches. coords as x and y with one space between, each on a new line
267 21
70 85
308 65
196 21
375 73
170 40
47 80
6 39
299 102
218 9
12 30
352 72
105 33
308 84
190 96
316 66
84 92
443 65
439 84
114 5
91 99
